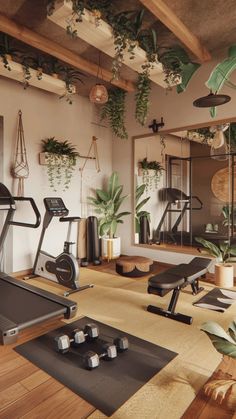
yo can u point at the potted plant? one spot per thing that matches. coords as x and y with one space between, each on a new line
224 271
60 158
138 209
151 172
107 205
222 390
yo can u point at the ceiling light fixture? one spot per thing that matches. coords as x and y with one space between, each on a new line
213 99
98 94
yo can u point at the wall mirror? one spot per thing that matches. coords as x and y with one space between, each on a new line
184 186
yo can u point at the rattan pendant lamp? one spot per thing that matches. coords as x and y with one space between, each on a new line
98 94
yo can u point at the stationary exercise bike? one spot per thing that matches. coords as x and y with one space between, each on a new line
64 268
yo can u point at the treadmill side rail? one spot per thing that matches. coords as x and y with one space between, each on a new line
8 331
70 306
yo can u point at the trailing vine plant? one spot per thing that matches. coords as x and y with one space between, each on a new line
150 179
114 111
61 161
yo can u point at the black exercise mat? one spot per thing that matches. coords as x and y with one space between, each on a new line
113 382
218 299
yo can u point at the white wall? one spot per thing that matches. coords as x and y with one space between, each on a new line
177 111
44 115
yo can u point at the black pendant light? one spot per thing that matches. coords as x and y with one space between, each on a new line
213 99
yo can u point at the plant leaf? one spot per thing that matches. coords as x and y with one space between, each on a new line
232 330
187 71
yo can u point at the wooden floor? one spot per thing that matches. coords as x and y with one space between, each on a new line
29 393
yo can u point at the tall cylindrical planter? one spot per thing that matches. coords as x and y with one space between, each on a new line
110 248
224 275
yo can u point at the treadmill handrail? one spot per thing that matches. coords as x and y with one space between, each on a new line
199 200
36 212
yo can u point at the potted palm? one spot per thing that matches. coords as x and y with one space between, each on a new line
224 270
107 205
222 390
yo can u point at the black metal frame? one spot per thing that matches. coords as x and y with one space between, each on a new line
170 312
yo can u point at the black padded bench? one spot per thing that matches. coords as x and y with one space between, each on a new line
174 279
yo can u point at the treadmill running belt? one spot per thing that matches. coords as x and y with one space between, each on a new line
23 307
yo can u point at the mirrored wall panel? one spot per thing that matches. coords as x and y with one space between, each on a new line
185 188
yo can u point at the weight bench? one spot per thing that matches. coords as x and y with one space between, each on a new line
175 279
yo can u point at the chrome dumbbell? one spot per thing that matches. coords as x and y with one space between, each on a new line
92 359
63 342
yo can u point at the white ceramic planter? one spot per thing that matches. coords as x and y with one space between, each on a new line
110 248
224 275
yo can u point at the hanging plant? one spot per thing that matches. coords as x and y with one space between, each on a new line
26 73
6 50
114 111
125 27
142 97
151 172
177 66
70 77
61 161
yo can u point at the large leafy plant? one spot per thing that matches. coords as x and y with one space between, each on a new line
139 212
221 73
225 343
222 252
107 205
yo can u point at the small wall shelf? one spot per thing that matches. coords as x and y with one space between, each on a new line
44 159
48 83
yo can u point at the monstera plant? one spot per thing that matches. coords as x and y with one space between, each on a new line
223 390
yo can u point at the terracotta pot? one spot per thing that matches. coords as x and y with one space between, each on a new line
224 275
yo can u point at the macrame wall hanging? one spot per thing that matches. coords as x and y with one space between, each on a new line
92 154
20 169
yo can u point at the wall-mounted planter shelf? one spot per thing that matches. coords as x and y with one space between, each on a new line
101 38
45 159
54 159
48 83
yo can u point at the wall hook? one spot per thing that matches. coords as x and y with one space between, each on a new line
156 125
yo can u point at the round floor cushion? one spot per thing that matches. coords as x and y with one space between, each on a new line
133 266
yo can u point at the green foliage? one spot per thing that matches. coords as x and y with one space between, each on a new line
61 162
223 251
177 64
150 178
6 49
227 213
140 204
114 111
107 204
225 343
221 73
142 97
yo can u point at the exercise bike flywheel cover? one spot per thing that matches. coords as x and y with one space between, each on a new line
211 100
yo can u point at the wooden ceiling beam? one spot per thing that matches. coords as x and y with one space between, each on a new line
50 47
162 12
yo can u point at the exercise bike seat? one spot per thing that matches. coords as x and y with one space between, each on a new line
69 219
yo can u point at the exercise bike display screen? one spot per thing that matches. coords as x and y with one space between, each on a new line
55 206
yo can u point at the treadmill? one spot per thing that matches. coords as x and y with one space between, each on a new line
177 202
23 305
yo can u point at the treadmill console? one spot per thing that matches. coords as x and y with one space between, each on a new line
55 207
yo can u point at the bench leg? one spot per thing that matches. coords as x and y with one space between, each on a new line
195 287
170 312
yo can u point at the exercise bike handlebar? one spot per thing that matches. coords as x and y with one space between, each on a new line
36 212
69 219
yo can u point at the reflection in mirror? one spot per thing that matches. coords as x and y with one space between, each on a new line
185 188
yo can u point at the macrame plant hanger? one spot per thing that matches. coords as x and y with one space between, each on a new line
92 154
20 169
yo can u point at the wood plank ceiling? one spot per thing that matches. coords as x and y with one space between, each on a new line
190 23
